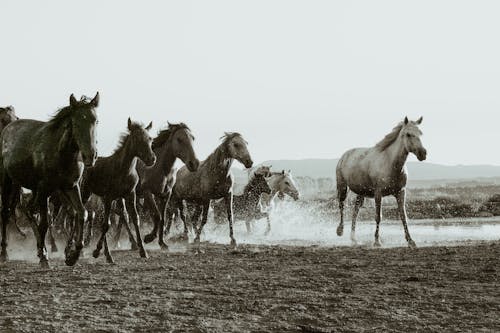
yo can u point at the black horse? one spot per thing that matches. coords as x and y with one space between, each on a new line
46 157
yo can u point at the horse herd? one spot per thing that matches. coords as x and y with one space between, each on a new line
57 160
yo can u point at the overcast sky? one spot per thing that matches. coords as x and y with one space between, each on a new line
298 79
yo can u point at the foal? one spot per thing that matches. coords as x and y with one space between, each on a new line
115 178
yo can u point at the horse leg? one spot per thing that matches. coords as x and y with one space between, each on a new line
43 201
203 222
161 229
268 228
248 226
341 196
90 222
195 218
228 200
182 214
357 205
150 204
400 198
130 203
104 230
74 197
6 194
378 216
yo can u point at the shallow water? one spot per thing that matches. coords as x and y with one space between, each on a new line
293 226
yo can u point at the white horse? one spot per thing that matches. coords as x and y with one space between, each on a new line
281 184
379 171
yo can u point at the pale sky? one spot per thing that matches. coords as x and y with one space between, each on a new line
299 79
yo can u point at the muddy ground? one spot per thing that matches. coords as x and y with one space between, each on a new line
259 288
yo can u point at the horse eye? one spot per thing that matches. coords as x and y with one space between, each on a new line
408 135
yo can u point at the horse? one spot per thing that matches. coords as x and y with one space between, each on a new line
115 178
379 171
281 184
46 157
156 182
246 206
8 115
213 180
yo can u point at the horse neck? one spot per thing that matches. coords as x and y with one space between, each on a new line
125 158
397 155
273 183
63 135
219 162
165 158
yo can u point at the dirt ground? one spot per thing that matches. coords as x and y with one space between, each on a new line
259 288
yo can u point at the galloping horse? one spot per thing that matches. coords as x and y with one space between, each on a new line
246 206
45 157
115 178
8 115
213 180
281 184
378 172
175 142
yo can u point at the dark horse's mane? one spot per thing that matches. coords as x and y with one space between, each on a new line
164 134
123 137
249 185
64 113
389 138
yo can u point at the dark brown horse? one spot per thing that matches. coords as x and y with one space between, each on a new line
45 157
213 180
156 182
246 206
115 178
8 115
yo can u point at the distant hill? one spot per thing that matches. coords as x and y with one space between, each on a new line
418 171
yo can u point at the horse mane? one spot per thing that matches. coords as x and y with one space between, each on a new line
7 108
250 183
389 138
164 134
123 137
228 136
64 113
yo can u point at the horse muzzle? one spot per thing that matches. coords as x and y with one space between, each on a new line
248 163
150 161
421 154
89 159
193 165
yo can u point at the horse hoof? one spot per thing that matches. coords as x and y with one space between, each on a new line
411 244
149 238
163 246
110 260
340 231
143 254
72 258
377 244
134 247
44 263
4 257
233 243
96 253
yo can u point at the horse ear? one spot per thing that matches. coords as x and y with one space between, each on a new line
72 100
419 121
129 124
150 126
406 120
282 172
95 100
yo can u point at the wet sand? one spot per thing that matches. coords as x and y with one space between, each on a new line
258 288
